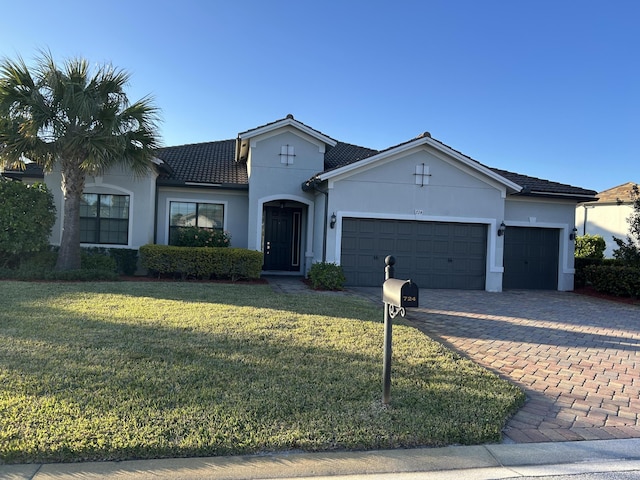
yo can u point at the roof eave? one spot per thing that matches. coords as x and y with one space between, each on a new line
577 197
217 186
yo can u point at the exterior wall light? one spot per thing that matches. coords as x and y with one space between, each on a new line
501 229
333 221
572 235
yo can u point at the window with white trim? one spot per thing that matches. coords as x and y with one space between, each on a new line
104 219
191 214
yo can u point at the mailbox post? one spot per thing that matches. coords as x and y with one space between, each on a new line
396 295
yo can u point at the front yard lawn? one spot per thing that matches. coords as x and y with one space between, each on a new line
123 370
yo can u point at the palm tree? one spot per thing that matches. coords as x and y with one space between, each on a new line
78 119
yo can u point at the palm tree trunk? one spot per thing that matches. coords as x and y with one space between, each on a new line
73 180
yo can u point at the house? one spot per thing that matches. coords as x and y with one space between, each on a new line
607 215
300 196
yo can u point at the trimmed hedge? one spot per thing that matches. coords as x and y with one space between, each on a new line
202 262
619 280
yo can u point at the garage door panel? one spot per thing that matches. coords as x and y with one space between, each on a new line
386 228
432 254
367 226
404 228
440 246
366 244
531 258
385 244
401 244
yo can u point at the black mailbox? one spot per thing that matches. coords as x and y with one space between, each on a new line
400 293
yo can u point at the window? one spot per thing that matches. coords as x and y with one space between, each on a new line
191 214
287 154
104 219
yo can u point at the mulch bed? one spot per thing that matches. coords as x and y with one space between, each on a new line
605 296
137 278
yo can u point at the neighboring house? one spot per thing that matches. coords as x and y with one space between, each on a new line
299 196
607 216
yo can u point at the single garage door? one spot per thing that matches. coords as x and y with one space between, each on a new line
531 258
432 254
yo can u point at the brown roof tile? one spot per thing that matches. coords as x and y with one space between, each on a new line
620 194
209 163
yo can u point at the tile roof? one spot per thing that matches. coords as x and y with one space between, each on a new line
344 154
31 170
214 163
620 194
533 185
209 163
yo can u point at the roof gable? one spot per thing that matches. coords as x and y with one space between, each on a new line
423 140
519 184
242 146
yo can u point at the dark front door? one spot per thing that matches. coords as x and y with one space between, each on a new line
282 238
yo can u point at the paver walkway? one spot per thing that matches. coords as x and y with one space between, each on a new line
576 357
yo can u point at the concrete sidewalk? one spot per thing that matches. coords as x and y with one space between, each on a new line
473 462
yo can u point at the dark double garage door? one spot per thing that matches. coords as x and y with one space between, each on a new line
446 255
432 254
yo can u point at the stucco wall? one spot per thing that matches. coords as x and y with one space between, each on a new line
605 220
270 179
452 193
116 181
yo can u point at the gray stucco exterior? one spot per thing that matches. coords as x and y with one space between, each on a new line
286 171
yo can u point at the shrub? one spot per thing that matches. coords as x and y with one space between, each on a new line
201 237
620 280
126 259
94 259
580 264
27 216
590 246
201 262
326 276
627 251
95 265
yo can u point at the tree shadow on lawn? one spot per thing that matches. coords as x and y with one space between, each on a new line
83 388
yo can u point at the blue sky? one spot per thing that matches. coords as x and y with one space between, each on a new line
544 88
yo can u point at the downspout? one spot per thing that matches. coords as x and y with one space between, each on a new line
313 184
584 225
155 216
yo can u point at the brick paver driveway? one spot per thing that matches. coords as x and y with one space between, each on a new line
577 358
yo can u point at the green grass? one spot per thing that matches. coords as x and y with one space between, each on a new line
122 370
